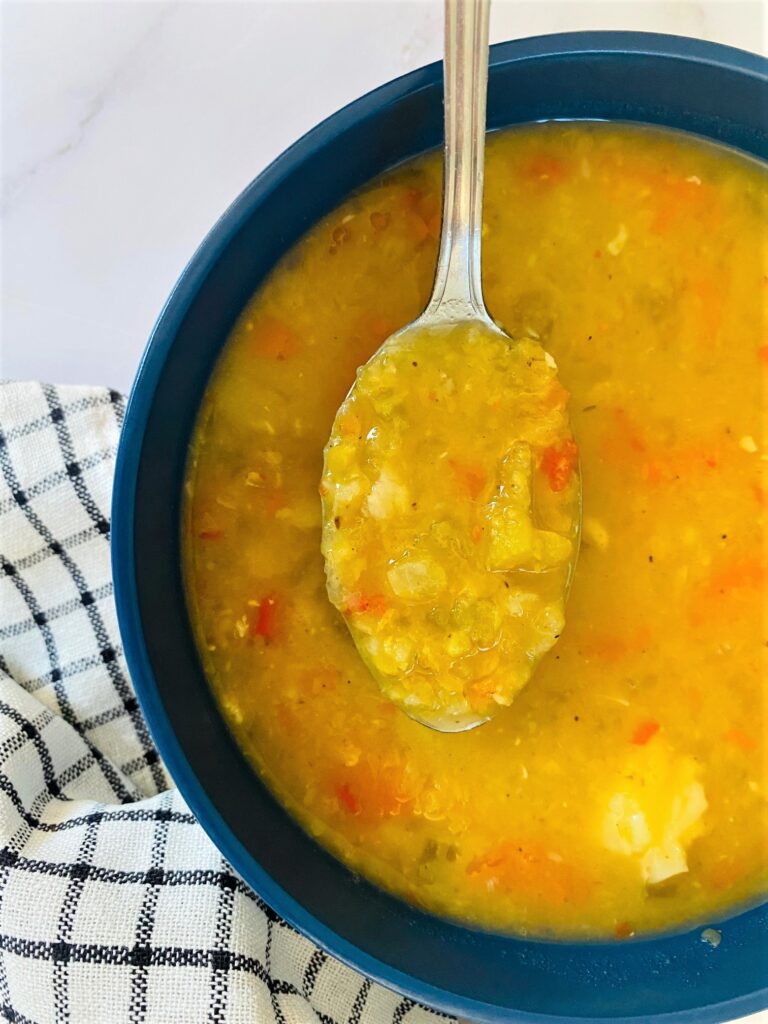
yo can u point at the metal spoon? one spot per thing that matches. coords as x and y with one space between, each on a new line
353 503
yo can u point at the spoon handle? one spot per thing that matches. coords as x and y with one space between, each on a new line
457 292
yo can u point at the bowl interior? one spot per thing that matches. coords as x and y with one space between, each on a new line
716 92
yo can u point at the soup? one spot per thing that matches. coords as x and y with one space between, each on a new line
625 788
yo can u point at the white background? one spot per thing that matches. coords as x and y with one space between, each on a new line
127 128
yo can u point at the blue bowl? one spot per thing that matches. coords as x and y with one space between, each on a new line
713 91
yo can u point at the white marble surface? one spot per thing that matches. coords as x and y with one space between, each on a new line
128 127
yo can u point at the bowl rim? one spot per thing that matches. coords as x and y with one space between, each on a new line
125 486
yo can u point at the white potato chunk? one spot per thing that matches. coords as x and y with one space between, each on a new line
417 579
388 496
625 828
668 858
657 813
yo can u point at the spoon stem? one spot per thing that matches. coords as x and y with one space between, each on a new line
457 292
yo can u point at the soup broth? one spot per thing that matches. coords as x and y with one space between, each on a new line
625 788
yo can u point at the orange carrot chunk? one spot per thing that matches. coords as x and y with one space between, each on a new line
744 574
558 463
372 791
546 167
530 869
347 799
645 732
265 622
360 604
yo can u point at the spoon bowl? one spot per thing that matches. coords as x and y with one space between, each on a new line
451 511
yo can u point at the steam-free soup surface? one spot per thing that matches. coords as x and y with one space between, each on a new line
625 788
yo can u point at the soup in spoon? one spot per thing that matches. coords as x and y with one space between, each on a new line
451 501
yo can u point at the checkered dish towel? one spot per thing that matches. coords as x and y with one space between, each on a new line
114 904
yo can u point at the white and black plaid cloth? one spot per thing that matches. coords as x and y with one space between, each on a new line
115 908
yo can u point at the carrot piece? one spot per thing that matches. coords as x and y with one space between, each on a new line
733 582
531 869
265 622
748 573
210 534
273 339
480 694
546 168
347 799
762 353
558 463
678 197
371 791
645 732
623 930
477 533
741 739
612 647
625 446
484 688
361 604
470 479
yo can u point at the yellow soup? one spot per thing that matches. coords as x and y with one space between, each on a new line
625 788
